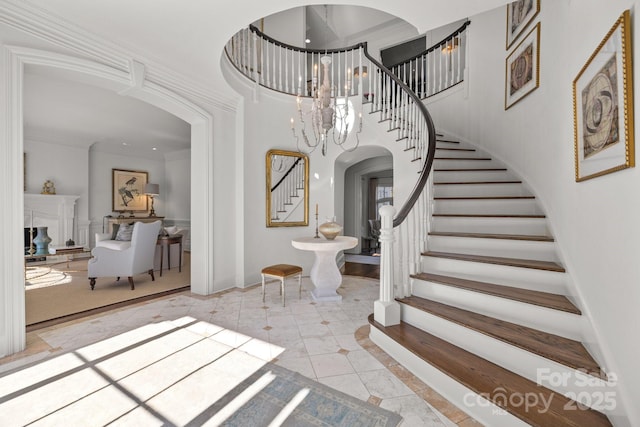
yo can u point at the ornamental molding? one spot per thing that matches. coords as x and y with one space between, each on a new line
45 26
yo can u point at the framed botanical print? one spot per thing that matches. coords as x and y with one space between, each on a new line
519 15
522 73
128 191
603 106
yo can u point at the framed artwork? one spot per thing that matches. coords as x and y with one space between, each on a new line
519 15
128 191
603 106
522 74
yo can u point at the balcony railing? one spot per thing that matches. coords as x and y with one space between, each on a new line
437 68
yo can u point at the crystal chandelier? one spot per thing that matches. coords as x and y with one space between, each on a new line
331 116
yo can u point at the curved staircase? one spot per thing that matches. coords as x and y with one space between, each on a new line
488 322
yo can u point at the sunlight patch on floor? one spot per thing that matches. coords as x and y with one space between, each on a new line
163 373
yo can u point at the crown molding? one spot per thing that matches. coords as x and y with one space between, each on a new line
45 26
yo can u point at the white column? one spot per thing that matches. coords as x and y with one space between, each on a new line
386 310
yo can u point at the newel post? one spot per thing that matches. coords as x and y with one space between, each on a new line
386 310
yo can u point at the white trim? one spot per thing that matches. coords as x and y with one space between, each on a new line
40 23
12 305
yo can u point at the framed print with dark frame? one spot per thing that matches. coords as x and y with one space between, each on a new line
128 191
522 71
603 106
519 15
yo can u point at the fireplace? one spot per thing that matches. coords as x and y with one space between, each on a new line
56 212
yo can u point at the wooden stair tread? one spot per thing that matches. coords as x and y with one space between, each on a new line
490 215
472 170
455 149
446 140
487 198
490 380
493 236
462 158
541 299
476 182
553 347
513 262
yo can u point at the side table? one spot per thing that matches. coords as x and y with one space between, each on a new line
168 241
325 275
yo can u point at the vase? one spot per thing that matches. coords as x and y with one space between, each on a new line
330 229
42 241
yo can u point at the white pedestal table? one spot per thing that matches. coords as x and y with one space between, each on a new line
325 275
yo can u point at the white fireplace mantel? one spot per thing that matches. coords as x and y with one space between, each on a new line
57 212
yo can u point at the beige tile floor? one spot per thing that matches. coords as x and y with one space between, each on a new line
327 342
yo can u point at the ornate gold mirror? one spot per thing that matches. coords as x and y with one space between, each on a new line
287 189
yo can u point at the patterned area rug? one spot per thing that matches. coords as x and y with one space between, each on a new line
290 399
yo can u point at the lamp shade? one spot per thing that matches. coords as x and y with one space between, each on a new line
152 189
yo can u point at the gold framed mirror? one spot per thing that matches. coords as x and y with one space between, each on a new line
287 188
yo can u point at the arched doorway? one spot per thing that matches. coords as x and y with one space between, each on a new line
131 83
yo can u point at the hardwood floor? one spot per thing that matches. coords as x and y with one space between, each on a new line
362 270
493 381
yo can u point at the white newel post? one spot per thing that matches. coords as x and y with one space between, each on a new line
386 310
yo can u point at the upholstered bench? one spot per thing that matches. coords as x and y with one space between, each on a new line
282 271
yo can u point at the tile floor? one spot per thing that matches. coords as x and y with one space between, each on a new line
327 342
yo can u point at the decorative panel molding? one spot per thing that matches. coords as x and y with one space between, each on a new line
39 23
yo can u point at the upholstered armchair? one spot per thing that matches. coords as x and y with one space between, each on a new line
133 259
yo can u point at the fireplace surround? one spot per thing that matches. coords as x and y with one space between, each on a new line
57 212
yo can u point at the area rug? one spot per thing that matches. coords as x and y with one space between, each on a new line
54 291
310 404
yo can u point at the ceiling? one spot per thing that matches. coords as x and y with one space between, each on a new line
182 38
58 109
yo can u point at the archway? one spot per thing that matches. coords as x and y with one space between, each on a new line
353 172
130 83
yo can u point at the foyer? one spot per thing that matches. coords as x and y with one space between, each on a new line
174 58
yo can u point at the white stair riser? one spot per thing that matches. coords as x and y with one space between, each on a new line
556 322
462 397
526 278
524 363
530 226
472 176
479 190
487 206
464 164
521 249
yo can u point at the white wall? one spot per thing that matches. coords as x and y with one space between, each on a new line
595 222
287 26
66 166
177 197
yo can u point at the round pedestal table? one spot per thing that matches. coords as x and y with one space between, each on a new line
325 275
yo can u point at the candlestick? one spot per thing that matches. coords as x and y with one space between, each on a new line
316 236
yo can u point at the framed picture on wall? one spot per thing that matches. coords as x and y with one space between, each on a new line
603 106
128 191
522 73
519 15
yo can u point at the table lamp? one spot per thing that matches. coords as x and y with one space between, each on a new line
152 190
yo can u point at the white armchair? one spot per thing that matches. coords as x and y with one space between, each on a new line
135 259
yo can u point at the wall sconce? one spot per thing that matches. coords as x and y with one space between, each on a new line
451 45
152 190
356 71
